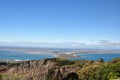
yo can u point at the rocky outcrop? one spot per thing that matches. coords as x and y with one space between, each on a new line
47 69
59 69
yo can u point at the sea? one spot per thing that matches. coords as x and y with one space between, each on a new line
16 56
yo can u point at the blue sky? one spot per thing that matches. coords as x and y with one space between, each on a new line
54 21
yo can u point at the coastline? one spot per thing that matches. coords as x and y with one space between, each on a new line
46 53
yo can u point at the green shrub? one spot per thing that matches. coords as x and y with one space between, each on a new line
63 62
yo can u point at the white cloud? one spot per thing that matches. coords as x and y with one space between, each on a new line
109 43
93 44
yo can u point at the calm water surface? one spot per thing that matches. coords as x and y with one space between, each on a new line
12 55
105 56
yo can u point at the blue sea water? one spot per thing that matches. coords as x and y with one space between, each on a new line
12 55
105 56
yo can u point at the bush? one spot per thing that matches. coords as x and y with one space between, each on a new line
103 71
63 62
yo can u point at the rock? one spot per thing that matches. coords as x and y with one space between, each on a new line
70 76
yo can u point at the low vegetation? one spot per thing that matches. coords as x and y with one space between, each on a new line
61 69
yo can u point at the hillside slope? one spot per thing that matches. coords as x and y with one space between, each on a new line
60 69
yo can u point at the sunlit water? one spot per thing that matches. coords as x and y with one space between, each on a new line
14 55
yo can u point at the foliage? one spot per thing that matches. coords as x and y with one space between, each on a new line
63 62
104 71
115 60
84 69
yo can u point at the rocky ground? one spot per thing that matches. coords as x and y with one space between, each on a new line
60 69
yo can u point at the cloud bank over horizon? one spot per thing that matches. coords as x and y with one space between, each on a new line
101 44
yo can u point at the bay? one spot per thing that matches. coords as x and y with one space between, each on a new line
14 55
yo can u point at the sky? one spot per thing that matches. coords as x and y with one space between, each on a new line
53 22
